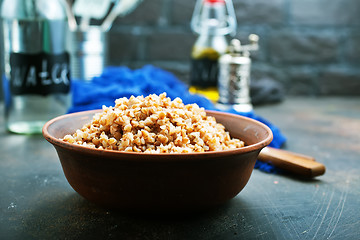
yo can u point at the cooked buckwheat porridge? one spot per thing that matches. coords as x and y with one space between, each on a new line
154 124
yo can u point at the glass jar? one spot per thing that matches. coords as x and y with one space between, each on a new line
36 82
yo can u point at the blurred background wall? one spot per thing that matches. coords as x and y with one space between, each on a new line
311 47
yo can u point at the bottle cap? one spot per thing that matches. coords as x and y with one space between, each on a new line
215 1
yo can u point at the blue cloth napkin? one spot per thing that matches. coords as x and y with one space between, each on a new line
116 82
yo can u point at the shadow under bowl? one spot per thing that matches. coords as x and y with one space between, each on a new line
162 183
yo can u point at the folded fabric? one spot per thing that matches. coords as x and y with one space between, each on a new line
116 82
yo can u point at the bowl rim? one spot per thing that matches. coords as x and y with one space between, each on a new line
154 156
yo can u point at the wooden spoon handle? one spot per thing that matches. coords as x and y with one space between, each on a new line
293 162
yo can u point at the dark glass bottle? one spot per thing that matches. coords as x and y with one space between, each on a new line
213 21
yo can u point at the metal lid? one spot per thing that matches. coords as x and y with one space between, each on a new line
240 54
234 59
33 9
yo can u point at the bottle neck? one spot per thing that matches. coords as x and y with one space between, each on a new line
212 17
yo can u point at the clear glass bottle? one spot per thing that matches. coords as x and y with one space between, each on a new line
213 21
36 82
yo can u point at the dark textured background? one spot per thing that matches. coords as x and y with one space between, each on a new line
312 47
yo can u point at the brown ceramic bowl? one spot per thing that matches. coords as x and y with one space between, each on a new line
158 182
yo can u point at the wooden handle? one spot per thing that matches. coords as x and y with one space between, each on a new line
297 163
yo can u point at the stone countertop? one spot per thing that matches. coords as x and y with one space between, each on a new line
36 202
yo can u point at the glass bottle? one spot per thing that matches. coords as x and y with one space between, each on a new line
36 82
213 21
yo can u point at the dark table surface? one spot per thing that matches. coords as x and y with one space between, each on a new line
36 202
